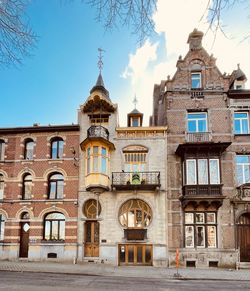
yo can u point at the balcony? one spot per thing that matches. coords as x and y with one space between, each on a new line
202 194
98 131
198 137
202 190
135 234
135 180
197 93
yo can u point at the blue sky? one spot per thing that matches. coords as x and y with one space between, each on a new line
49 87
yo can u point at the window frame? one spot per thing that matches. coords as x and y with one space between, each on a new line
56 152
194 224
2 149
60 222
29 152
243 166
2 185
197 121
2 226
27 186
96 160
194 79
59 186
241 119
197 171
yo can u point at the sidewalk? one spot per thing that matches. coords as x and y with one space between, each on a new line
95 269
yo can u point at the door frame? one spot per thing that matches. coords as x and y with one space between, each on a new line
243 233
24 240
135 249
93 245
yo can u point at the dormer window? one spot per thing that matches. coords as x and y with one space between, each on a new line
195 80
135 121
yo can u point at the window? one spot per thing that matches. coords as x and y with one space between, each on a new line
135 213
29 149
54 226
243 169
57 148
2 146
27 186
135 161
90 208
135 121
241 121
56 183
1 186
200 230
197 122
2 223
97 160
202 171
196 80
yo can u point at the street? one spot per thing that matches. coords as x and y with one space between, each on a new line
47 281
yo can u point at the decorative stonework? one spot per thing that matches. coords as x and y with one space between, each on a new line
141 132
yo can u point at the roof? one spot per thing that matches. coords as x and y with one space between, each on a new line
101 87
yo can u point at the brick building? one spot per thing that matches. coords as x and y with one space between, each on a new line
208 153
38 191
133 195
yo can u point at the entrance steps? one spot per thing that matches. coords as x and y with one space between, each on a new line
244 265
95 260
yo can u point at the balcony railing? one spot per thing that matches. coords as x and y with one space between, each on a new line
135 180
97 131
202 190
198 137
197 93
135 234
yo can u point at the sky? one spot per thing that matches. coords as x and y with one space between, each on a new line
55 80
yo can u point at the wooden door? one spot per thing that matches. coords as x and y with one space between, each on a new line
135 254
24 240
91 248
243 233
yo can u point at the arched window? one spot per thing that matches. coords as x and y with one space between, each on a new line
29 149
2 223
57 148
135 158
90 208
56 182
2 146
135 213
27 186
54 226
1 186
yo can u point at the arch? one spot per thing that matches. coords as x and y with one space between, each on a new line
240 214
135 213
5 174
25 171
52 209
22 210
90 208
3 212
48 172
135 148
29 145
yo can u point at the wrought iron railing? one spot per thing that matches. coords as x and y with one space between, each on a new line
98 131
140 180
202 190
198 137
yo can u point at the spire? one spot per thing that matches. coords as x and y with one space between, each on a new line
135 117
99 83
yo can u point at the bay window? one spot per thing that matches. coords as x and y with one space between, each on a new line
97 160
202 171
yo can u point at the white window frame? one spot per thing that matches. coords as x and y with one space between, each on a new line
193 78
241 119
197 121
242 165
2 150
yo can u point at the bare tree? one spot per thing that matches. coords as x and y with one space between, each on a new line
134 13
16 36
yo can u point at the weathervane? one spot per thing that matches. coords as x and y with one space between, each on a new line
100 62
135 101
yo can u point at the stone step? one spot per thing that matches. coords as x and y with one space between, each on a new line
244 265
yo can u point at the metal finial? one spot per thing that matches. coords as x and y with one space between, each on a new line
135 101
100 62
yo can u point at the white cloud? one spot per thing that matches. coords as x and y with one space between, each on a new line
175 20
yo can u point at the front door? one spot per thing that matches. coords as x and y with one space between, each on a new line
243 231
91 248
135 254
24 240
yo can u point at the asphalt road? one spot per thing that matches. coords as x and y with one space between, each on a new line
47 281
